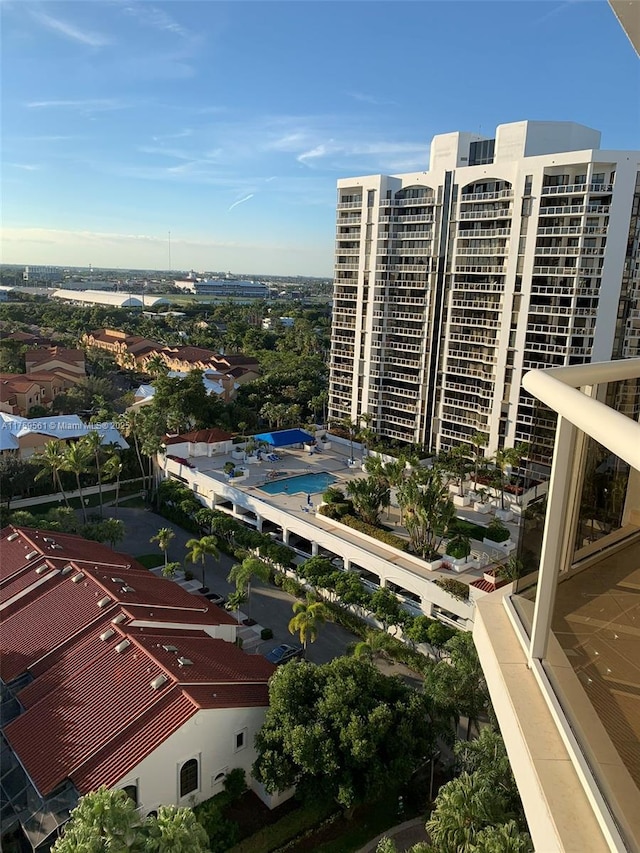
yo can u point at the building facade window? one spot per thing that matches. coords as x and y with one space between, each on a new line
132 792
189 777
240 740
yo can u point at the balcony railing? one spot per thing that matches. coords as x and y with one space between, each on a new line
564 189
349 205
499 213
486 196
563 210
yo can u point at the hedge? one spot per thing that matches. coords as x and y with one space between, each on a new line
455 588
375 532
291 826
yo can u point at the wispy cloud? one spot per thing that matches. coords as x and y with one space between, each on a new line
87 104
26 167
370 99
69 30
314 153
157 19
241 201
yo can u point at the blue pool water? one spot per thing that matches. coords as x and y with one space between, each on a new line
307 483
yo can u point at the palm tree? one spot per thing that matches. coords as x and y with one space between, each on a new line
368 495
351 428
93 443
478 440
199 549
375 644
156 365
235 601
113 468
505 460
51 462
131 427
163 537
242 574
308 616
76 460
463 808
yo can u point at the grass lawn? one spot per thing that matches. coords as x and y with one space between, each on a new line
150 561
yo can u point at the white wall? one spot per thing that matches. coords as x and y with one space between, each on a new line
209 736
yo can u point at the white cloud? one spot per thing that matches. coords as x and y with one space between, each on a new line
157 19
70 31
27 167
242 201
88 104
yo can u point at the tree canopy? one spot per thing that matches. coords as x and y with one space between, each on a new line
341 730
107 820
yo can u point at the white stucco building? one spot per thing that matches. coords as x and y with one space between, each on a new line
509 253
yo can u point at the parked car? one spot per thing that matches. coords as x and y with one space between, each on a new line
283 654
216 598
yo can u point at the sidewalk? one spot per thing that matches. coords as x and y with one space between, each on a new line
405 836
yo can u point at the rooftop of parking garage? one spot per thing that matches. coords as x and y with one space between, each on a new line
293 462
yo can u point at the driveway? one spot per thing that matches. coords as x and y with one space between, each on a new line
269 605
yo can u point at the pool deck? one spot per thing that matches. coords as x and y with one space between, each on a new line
294 462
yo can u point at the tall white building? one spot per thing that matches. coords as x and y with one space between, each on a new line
510 253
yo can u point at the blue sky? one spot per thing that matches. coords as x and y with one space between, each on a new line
228 123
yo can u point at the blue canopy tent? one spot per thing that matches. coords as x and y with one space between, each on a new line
285 437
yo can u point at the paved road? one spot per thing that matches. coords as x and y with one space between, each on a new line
270 606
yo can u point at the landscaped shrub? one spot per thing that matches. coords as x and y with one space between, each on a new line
333 495
292 587
222 833
375 532
336 511
455 588
266 634
235 782
496 531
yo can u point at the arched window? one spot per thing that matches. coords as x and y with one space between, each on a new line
132 792
188 777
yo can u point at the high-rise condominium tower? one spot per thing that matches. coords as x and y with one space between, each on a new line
510 253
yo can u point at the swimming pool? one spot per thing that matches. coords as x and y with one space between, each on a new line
306 483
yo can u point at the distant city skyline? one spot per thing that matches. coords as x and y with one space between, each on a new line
227 124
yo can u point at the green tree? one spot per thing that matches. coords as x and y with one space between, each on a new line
428 511
385 607
76 461
375 644
318 571
51 463
156 365
163 537
368 495
341 731
92 441
131 425
235 600
199 549
505 460
459 682
307 618
479 441
112 530
503 838
104 820
15 473
242 574
175 830
456 464
463 808
111 469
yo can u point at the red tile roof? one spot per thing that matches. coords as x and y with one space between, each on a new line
91 713
72 356
487 586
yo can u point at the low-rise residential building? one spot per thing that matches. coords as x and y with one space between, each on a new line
18 393
69 363
113 676
26 436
